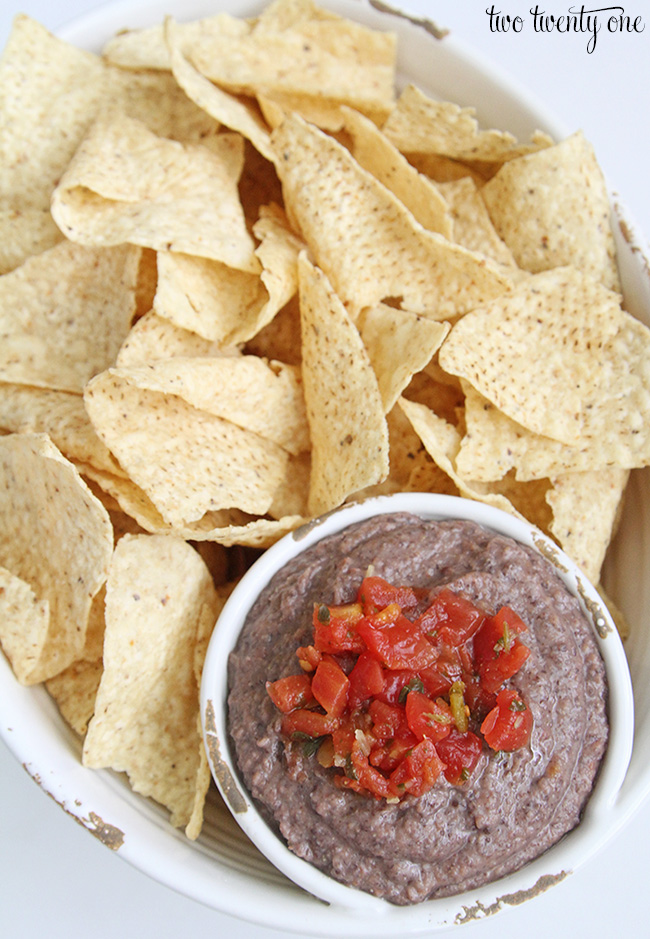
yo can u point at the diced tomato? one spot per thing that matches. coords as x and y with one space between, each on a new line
389 700
308 723
344 735
460 753
291 692
343 738
418 771
387 756
330 686
386 720
366 679
395 681
439 677
335 628
450 619
478 699
372 779
498 653
308 657
375 593
400 645
509 724
428 718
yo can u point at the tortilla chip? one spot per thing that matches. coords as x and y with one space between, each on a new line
60 415
225 305
203 776
50 93
420 124
252 532
472 225
427 476
23 233
376 154
349 435
552 209
292 495
442 442
160 600
94 644
154 337
155 99
237 114
326 113
75 691
404 450
64 314
368 245
265 398
57 537
126 184
494 445
589 378
225 527
399 344
206 297
583 532
297 47
147 48
291 47
187 461
24 624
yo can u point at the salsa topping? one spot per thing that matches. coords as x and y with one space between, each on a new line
390 701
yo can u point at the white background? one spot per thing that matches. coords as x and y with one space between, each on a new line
56 880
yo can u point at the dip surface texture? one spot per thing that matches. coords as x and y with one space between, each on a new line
455 837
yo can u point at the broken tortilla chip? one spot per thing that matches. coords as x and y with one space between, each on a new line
75 691
582 531
472 225
376 154
349 436
237 114
552 209
266 398
50 92
64 314
160 600
369 245
225 305
125 184
154 337
23 233
61 415
57 538
187 461
399 344
421 124
589 374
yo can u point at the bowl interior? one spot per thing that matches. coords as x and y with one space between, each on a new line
223 869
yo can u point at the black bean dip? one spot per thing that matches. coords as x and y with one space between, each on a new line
455 837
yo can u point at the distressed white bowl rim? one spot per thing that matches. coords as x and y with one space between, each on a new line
572 850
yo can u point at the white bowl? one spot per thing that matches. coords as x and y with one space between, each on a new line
551 867
223 869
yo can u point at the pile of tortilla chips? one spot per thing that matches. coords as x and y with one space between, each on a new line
243 281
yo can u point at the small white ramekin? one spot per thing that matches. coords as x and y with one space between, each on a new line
595 826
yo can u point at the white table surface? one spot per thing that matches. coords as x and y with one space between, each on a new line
56 880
